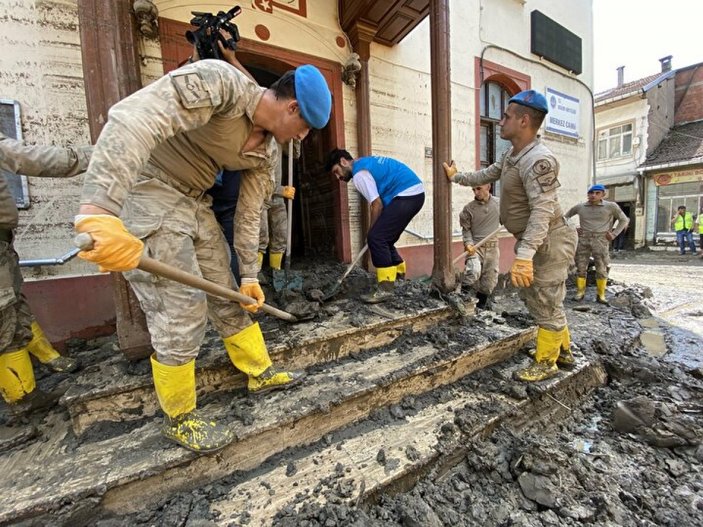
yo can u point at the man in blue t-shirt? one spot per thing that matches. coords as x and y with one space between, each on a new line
396 195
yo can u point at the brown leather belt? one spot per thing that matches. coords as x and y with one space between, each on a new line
492 243
6 235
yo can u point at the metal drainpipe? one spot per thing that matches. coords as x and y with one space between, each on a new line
38 262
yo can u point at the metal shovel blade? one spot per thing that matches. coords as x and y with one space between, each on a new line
286 280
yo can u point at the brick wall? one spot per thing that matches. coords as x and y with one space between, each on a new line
689 94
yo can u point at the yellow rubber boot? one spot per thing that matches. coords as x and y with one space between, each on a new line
580 288
401 269
247 351
275 260
384 289
42 349
546 355
601 283
566 358
16 376
175 389
260 259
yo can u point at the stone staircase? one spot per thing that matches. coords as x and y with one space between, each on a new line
103 455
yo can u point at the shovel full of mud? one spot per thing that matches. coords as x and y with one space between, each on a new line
335 287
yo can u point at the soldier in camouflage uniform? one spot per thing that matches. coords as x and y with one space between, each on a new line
596 217
530 210
20 335
153 163
273 230
478 219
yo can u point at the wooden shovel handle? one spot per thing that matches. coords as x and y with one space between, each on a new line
149 265
479 244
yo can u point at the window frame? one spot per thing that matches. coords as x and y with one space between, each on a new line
604 138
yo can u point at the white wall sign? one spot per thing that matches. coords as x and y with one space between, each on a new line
563 116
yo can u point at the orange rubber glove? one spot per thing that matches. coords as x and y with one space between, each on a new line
450 170
288 192
253 290
470 249
114 248
521 273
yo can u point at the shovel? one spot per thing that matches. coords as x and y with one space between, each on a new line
85 243
335 287
288 281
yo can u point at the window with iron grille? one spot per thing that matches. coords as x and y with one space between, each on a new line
494 100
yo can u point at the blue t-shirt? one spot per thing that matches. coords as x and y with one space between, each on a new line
392 177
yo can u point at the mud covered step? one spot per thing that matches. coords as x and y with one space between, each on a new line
62 477
118 391
391 452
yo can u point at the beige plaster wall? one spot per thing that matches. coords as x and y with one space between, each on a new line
41 68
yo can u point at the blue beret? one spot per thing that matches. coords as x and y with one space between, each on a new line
596 187
313 96
531 99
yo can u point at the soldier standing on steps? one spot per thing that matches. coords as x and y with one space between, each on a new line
596 217
20 334
478 219
155 159
530 210
273 232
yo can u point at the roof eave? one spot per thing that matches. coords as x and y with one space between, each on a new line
673 164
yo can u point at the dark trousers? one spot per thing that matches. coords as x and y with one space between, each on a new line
388 228
224 205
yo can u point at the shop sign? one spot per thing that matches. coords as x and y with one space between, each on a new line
680 176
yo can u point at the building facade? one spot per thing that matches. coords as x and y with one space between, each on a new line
497 49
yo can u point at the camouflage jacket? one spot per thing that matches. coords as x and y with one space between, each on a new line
38 161
183 129
529 205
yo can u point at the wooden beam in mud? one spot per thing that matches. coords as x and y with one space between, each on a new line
249 452
120 397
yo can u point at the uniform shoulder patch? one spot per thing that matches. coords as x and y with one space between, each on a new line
191 88
546 175
542 167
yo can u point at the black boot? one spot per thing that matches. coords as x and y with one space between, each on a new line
483 301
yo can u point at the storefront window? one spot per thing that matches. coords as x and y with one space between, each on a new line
671 197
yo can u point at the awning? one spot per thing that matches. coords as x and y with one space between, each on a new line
617 181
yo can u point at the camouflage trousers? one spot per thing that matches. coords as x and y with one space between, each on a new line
183 232
274 225
593 244
15 315
545 297
489 255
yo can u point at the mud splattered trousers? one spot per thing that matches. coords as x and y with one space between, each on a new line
489 255
389 226
545 297
179 228
274 225
15 315
593 244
